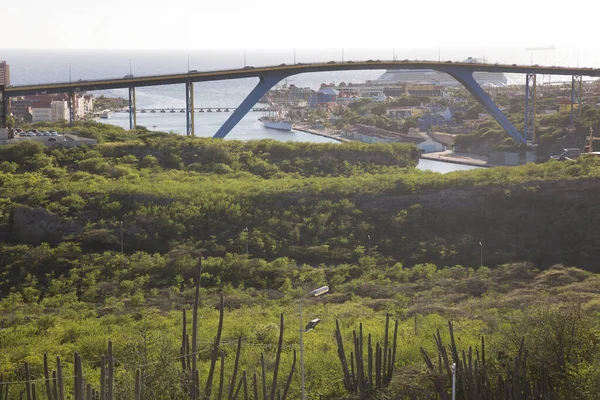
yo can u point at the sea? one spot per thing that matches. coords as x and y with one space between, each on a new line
31 66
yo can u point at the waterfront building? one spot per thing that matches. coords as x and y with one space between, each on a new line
431 91
399 112
41 106
42 112
59 111
22 110
4 74
427 121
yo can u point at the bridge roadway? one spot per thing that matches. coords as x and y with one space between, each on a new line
285 70
197 109
269 76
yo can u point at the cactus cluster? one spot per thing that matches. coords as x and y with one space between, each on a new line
375 373
54 384
475 381
232 390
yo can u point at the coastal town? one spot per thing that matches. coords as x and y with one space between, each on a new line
423 107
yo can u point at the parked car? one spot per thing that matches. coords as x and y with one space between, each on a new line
53 133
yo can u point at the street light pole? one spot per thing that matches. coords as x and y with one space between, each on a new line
301 347
314 293
481 254
121 224
453 381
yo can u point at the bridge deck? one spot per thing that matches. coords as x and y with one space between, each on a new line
285 70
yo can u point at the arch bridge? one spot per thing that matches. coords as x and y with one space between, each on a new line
269 76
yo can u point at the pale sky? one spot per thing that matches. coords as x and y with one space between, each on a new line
285 24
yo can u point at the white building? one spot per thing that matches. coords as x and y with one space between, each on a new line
59 111
41 114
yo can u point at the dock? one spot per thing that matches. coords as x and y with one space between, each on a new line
319 132
450 156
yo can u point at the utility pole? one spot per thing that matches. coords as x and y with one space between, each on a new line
481 254
121 224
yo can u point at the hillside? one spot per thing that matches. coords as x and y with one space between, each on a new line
272 221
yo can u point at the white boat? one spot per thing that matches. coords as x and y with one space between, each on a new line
277 119
430 76
281 125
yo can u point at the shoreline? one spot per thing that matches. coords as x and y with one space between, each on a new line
458 158
319 133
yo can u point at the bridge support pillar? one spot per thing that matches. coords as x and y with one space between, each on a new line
3 107
189 108
576 89
132 116
71 104
466 79
265 83
530 94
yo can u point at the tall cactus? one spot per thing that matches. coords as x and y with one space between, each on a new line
78 387
235 369
28 381
373 374
138 384
275 393
47 378
472 375
3 387
59 380
277 357
103 377
194 393
215 351
111 372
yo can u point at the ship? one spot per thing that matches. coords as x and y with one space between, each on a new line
277 119
430 76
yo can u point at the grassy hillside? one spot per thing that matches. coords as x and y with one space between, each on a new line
275 220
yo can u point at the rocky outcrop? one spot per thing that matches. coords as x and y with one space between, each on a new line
37 225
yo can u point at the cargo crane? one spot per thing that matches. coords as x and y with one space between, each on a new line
589 143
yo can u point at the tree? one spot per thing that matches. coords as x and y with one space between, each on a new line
458 117
378 110
410 122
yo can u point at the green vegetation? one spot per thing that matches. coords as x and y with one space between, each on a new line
109 103
388 240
